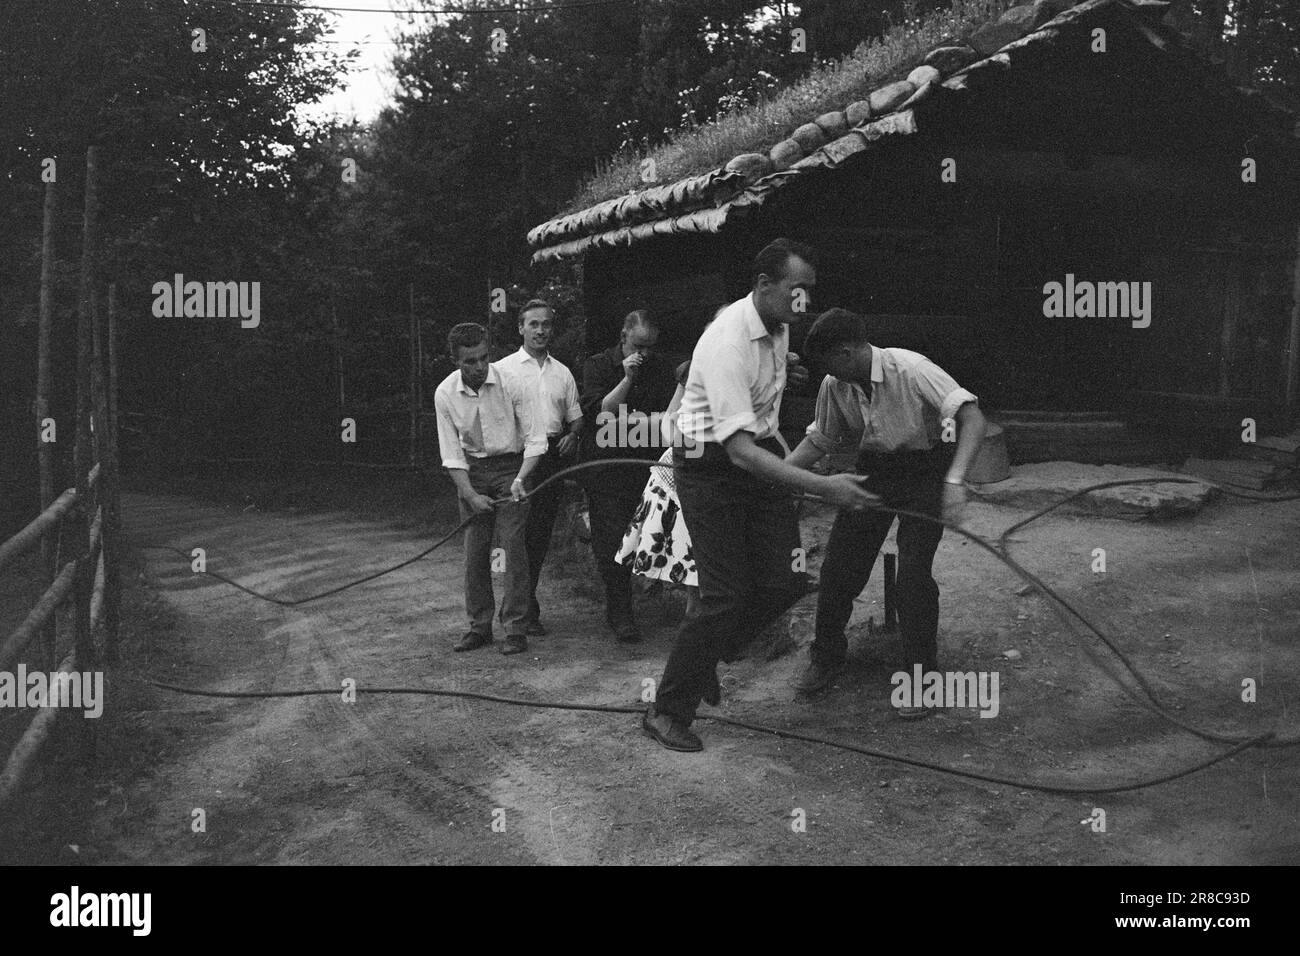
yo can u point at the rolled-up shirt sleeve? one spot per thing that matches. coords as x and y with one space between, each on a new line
571 400
726 389
940 390
453 455
827 427
527 421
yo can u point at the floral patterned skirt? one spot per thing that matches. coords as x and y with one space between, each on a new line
656 543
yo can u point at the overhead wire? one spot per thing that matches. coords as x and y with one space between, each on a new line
429 11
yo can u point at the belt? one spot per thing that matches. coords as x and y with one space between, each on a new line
713 456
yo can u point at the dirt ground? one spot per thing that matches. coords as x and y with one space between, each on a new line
1199 603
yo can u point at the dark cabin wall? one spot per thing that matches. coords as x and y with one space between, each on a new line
1123 173
1122 166
682 279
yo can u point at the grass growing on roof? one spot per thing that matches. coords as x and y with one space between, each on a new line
828 86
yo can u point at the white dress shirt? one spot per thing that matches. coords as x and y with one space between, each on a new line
910 398
737 377
498 419
556 392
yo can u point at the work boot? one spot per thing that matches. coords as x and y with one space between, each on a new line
670 732
472 641
817 677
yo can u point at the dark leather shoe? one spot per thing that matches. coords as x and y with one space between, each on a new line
472 641
515 644
670 732
817 678
535 629
626 632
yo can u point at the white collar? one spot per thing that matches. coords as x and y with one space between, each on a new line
523 356
492 379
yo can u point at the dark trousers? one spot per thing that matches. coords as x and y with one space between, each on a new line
908 480
743 534
610 510
541 519
492 477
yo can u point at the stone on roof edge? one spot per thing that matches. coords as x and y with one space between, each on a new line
754 192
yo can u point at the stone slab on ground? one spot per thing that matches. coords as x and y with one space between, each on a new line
1042 483
1237 471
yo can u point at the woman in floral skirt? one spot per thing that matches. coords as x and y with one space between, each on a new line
657 544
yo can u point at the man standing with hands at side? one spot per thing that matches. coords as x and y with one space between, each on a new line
915 431
736 495
623 388
555 406
489 446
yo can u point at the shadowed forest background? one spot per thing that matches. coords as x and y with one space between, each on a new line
208 170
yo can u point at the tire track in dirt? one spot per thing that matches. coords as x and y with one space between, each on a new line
518 781
288 663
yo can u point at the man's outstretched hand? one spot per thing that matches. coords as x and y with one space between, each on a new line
847 492
479 504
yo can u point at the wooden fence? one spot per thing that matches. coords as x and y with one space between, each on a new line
84 520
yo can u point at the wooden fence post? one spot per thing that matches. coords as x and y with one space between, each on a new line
44 449
85 647
415 373
338 371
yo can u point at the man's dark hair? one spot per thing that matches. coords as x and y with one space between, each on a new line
465 336
772 259
535 304
833 329
641 317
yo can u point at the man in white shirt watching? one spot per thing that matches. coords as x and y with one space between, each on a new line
736 495
489 446
556 408
915 432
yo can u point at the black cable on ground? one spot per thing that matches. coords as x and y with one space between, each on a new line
284 602
1061 789
1152 704
1152 701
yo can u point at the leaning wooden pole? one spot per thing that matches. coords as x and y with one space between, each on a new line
45 449
104 454
84 643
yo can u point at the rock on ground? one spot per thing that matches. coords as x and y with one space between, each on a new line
1040 484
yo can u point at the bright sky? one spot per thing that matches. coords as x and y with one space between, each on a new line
369 85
